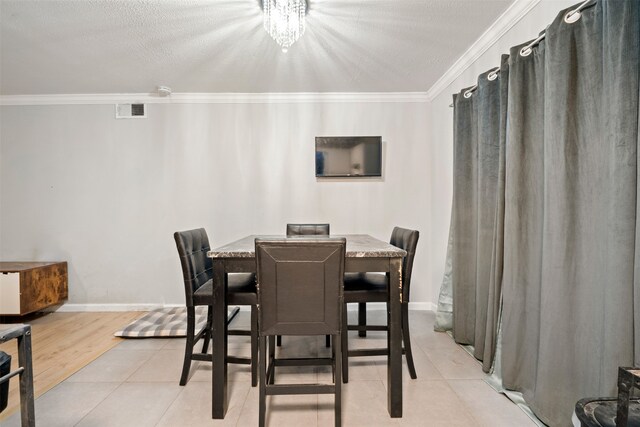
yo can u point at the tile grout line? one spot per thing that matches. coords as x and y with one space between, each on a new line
244 403
106 396
153 353
99 403
435 366
469 410
170 404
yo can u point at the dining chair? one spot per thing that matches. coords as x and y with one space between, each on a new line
307 230
197 270
363 288
300 290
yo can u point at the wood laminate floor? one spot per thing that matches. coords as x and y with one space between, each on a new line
63 343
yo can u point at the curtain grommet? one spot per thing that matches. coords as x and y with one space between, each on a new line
575 14
526 51
469 91
572 16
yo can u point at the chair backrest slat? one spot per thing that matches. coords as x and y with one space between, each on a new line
300 285
307 229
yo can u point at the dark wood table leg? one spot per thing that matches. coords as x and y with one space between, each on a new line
219 338
394 339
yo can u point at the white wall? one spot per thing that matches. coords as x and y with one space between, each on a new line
106 195
441 133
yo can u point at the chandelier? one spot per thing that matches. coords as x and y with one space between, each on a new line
284 20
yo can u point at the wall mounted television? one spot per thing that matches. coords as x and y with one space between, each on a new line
348 156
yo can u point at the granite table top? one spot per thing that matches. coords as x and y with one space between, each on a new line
358 246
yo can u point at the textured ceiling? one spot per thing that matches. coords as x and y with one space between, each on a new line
101 46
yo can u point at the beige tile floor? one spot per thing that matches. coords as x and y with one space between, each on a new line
136 384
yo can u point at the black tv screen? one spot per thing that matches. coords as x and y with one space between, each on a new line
341 156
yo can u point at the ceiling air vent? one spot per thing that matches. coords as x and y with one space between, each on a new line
131 111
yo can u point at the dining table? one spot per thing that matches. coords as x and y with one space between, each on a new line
364 253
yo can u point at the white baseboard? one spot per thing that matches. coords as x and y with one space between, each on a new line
69 308
423 306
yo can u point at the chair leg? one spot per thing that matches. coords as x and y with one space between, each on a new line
362 318
262 406
272 348
207 331
407 341
345 346
254 345
279 340
333 361
338 380
272 355
188 350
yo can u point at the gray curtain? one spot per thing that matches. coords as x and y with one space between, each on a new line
544 233
571 254
494 298
487 116
464 218
524 192
444 311
479 135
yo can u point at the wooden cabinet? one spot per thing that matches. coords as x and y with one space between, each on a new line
26 287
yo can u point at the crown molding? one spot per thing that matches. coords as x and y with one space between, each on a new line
510 17
214 98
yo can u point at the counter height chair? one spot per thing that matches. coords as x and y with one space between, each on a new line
362 288
300 285
307 230
197 270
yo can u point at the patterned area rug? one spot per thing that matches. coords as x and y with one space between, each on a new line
167 322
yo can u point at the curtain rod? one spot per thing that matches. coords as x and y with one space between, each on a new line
571 17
